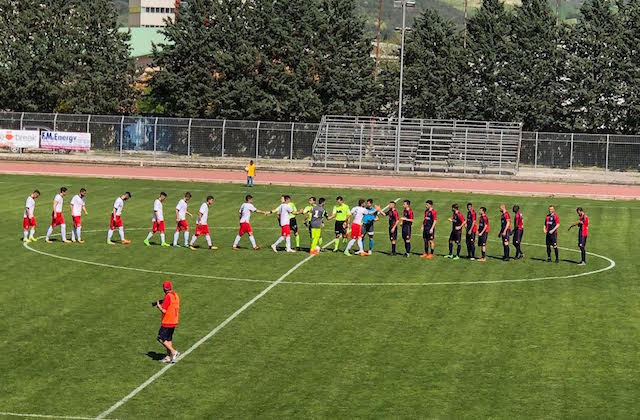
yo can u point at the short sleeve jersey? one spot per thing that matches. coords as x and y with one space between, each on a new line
245 212
29 207
393 217
341 212
182 209
483 222
429 218
59 200
204 211
77 203
504 219
284 213
158 215
551 221
583 225
317 213
307 211
358 214
456 220
518 221
370 215
471 217
118 205
407 214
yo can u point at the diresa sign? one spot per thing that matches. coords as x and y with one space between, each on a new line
20 139
61 140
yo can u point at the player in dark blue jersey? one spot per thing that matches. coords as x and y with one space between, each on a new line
457 224
505 231
394 221
429 230
407 223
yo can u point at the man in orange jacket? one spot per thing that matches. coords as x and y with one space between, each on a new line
170 309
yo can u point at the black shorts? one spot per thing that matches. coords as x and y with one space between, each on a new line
393 233
582 241
455 236
293 225
406 232
552 239
506 235
367 228
517 236
165 334
482 239
427 236
340 229
471 237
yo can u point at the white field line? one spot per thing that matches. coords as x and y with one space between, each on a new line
44 416
206 337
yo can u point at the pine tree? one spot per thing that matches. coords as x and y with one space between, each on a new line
434 71
631 22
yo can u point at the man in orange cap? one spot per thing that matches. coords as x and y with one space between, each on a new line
170 308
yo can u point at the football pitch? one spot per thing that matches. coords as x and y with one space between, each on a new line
294 336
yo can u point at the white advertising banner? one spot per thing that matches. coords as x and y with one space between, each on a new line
20 139
61 140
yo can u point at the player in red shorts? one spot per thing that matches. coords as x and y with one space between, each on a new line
158 220
284 218
245 222
29 220
583 233
116 219
202 228
77 207
57 218
181 220
358 213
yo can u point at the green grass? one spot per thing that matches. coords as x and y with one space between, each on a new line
77 337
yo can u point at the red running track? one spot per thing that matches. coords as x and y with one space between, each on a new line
403 182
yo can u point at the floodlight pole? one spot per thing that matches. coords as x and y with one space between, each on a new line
404 4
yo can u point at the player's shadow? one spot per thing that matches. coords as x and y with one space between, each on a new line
155 355
538 259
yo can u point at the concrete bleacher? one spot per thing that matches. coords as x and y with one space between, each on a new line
425 145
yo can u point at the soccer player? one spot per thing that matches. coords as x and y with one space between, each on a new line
116 219
77 207
472 230
457 223
394 221
29 220
245 222
317 214
307 214
293 224
505 231
367 223
483 234
284 215
518 231
429 230
202 227
551 225
358 213
342 213
57 218
407 223
181 220
583 232
158 220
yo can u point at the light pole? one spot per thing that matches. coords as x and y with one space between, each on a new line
403 4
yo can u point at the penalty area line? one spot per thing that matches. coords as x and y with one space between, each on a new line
213 332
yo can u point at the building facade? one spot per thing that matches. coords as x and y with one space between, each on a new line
152 13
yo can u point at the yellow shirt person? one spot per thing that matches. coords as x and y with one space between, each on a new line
251 173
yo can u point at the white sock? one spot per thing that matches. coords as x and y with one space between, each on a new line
63 231
79 232
360 247
349 245
175 238
149 236
26 234
193 240
236 241
121 232
288 242
49 231
162 237
109 234
73 233
253 241
33 232
208 238
186 237
279 241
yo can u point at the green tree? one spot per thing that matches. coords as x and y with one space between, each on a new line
631 22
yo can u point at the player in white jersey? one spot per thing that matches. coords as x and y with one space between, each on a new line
116 219
181 220
245 222
284 217
77 207
202 225
29 219
358 213
158 220
57 218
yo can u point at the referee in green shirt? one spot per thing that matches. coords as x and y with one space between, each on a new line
342 213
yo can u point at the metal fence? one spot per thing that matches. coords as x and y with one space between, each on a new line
205 140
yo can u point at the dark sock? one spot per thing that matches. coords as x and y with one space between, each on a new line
473 251
426 247
432 251
458 250
450 248
556 251
519 249
407 247
548 252
583 253
506 251
393 248
483 254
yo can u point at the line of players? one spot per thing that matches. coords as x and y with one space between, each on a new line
350 223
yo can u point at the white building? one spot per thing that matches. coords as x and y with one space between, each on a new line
151 13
